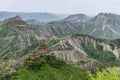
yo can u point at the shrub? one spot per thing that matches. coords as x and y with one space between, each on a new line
111 74
42 60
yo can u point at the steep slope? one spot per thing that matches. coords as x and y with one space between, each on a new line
62 28
86 51
104 25
77 18
82 51
17 33
17 38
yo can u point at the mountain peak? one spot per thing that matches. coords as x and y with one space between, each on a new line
107 15
15 22
77 18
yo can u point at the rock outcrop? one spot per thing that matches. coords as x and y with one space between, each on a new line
72 50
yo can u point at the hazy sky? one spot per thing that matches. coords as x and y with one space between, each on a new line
61 6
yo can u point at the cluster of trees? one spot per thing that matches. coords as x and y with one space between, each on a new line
7 68
106 74
107 58
50 68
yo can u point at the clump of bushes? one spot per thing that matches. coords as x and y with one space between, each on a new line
109 74
107 58
43 60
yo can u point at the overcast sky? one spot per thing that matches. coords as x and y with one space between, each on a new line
61 6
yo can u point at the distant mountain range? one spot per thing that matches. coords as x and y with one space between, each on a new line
82 41
42 17
103 25
26 35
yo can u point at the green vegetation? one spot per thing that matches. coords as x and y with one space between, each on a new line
48 42
10 48
0 28
107 58
39 62
112 44
110 74
59 32
6 32
48 68
12 22
36 43
35 26
84 61
8 67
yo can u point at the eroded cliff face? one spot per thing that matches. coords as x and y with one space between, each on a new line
76 45
115 50
70 56
24 37
71 50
